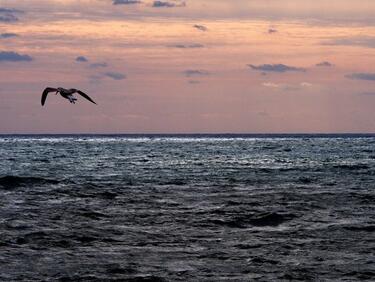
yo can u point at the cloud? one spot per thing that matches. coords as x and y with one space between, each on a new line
8 15
7 10
8 18
96 78
188 46
325 64
190 73
81 59
367 94
8 35
115 75
272 30
6 56
126 2
166 4
271 85
364 41
200 27
361 76
306 84
99 65
276 68
287 87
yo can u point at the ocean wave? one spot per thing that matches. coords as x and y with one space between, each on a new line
98 209
267 219
364 228
357 166
10 181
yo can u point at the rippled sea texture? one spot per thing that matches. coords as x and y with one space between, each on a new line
187 209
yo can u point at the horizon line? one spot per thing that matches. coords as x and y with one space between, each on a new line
196 134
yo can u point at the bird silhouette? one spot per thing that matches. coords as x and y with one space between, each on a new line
65 93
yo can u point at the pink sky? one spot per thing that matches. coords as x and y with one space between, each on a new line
189 66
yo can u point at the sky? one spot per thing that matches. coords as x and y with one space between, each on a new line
193 66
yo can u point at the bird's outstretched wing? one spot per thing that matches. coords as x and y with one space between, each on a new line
45 92
85 96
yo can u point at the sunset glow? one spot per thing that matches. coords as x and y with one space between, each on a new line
195 66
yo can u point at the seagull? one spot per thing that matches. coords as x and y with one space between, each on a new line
66 93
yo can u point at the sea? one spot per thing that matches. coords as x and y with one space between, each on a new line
187 207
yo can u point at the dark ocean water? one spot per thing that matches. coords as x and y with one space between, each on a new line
187 208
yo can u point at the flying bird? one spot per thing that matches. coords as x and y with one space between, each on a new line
65 93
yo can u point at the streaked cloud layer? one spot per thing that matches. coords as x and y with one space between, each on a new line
9 56
276 68
189 66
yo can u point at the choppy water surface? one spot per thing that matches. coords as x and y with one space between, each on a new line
89 208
